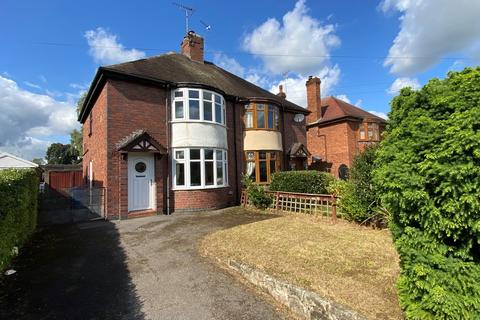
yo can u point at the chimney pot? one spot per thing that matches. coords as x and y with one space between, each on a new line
281 94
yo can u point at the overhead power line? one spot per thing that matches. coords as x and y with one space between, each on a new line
314 56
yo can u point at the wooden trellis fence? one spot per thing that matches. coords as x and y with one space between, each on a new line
319 204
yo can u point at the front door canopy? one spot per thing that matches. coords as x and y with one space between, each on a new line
298 150
140 141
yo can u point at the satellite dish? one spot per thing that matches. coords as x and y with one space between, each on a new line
299 117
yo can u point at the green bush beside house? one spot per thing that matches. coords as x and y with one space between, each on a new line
18 210
428 176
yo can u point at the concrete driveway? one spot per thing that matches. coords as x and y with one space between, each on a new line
147 268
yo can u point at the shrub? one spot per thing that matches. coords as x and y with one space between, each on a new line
428 176
18 210
359 199
256 193
308 181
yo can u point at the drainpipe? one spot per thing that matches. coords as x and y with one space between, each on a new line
167 123
235 147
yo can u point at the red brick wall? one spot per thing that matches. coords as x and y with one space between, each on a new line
189 200
336 144
133 106
95 145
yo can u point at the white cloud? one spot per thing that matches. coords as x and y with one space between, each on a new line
42 78
229 64
401 83
105 48
284 43
430 30
343 97
28 119
295 86
32 85
382 115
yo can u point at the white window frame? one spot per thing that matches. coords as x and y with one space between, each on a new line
186 107
186 161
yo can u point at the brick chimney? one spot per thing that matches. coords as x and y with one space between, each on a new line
313 99
280 93
192 46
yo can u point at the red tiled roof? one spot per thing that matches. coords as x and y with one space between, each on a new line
336 109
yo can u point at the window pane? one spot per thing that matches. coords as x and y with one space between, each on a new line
194 109
260 119
224 115
270 118
273 155
250 155
209 154
193 94
195 154
179 154
178 109
260 106
249 119
262 155
180 174
218 99
263 171
219 154
195 176
207 96
178 94
251 170
208 173
207 111
219 172
218 113
272 166
362 133
277 120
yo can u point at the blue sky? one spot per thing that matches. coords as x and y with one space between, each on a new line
363 51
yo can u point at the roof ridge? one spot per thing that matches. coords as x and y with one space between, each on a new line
351 106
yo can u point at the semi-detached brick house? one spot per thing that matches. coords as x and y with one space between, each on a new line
175 132
337 131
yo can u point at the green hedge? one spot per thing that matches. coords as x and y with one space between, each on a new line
18 210
301 181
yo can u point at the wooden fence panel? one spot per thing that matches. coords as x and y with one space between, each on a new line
65 179
317 204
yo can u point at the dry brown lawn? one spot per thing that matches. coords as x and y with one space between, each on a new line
352 265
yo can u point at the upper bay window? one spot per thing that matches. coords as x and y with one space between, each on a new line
198 105
261 116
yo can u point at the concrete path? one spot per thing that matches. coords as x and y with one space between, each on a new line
147 268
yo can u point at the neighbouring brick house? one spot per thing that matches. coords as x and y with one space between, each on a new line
174 132
337 130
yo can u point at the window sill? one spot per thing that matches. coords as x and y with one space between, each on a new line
198 121
198 188
261 129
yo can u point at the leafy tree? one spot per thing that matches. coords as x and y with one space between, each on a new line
76 136
429 178
76 140
38 161
58 153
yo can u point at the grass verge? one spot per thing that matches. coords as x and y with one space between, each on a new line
352 265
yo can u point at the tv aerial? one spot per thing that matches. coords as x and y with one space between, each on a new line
206 25
188 13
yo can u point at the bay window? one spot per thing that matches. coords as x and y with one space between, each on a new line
198 105
261 116
260 165
195 168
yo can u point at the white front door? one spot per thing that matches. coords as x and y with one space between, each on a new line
141 177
